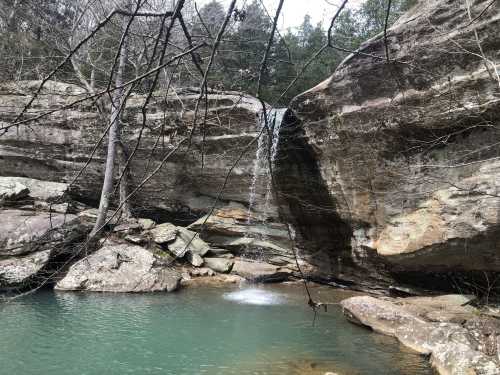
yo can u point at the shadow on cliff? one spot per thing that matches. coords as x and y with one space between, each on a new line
322 237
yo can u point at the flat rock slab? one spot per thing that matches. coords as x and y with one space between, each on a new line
232 222
120 268
259 271
452 350
21 229
47 191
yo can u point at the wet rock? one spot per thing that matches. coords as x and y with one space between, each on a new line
217 252
450 345
225 256
120 268
90 216
281 261
260 271
219 280
127 228
61 208
220 265
231 223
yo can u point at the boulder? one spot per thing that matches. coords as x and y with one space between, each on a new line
259 271
33 244
137 239
90 216
220 265
195 259
120 268
219 280
188 241
146 224
11 190
19 272
24 231
164 233
452 349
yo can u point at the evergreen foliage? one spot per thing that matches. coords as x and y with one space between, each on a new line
42 30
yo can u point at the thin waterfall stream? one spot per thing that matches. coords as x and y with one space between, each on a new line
265 158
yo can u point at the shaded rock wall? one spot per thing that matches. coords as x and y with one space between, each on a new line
402 155
56 147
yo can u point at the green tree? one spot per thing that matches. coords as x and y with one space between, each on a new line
373 13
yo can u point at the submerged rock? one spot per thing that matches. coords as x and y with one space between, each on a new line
452 347
120 268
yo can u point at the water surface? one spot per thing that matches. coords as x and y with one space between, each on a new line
196 331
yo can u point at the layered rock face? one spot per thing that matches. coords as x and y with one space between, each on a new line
40 160
396 163
55 147
35 243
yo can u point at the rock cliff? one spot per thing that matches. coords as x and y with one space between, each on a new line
394 165
39 161
386 171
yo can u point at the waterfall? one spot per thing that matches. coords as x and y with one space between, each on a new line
265 147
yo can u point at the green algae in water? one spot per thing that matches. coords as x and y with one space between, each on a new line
195 331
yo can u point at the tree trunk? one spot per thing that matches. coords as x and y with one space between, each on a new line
12 18
124 172
114 136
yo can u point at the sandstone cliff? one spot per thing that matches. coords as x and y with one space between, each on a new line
47 154
395 165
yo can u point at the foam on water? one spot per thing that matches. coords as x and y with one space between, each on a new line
255 296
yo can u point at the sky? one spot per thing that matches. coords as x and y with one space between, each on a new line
293 11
